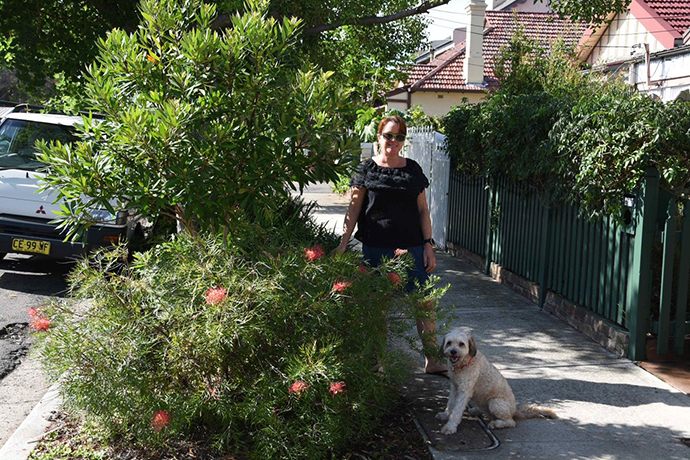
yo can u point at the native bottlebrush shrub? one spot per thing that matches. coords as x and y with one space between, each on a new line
269 345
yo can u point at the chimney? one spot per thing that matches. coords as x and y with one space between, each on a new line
473 66
459 35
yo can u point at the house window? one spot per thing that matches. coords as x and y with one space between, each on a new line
440 96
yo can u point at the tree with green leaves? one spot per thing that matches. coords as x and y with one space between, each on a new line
42 38
588 11
361 41
201 125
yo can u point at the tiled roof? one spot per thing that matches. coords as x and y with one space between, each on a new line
675 12
445 72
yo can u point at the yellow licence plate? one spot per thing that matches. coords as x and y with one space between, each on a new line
38 247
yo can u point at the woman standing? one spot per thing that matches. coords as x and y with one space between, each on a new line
389 207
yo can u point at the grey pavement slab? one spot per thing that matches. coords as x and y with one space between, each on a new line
20 392
330 207
431 394
608 407
33 428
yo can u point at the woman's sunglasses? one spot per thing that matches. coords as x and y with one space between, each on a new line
397 137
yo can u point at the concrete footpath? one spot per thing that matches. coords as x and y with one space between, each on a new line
608 407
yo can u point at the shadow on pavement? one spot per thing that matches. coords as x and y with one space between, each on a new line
428 395
35 275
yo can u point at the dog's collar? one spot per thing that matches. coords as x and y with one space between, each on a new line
459 366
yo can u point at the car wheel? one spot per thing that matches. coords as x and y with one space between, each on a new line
136 241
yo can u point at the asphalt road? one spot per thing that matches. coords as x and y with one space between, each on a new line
25 281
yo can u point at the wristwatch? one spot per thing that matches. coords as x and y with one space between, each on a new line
430 241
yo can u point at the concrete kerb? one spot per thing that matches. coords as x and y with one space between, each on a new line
33 428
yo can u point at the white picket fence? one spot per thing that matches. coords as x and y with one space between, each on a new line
426 147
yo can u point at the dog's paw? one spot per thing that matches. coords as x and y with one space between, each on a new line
449 429
443 416
474 411
500 424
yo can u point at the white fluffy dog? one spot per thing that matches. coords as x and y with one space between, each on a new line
474 378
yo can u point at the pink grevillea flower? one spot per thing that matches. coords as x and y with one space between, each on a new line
394 278
160 420
39 321
314 252
215 295
363 269
299 387
400 252
340 286
338 387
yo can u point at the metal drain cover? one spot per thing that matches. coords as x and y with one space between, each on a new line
428 395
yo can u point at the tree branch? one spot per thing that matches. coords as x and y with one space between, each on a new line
223 20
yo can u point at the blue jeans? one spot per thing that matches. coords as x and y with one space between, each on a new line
373 257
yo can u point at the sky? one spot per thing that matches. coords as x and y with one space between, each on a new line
446 18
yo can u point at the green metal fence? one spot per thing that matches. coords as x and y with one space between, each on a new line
468 199
602 265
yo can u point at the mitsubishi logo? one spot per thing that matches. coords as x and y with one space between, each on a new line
40 210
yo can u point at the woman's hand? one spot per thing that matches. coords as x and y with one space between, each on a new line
342 247
425 224
429 258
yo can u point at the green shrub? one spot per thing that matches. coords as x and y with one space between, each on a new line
571 136
246 343
367 123
415 116
606 142
342 184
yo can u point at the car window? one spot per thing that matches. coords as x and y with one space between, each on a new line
18 142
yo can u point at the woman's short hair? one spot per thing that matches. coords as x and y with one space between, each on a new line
402 127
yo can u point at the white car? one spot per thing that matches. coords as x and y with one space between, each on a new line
26 213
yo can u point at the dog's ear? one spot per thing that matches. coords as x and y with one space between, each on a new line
473 347
440 348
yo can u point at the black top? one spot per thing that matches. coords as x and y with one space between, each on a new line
389 217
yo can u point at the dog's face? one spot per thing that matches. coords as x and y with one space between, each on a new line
457 344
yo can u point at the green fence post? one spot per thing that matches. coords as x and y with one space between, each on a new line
682 297
544 253
489 223
640 283
667 277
